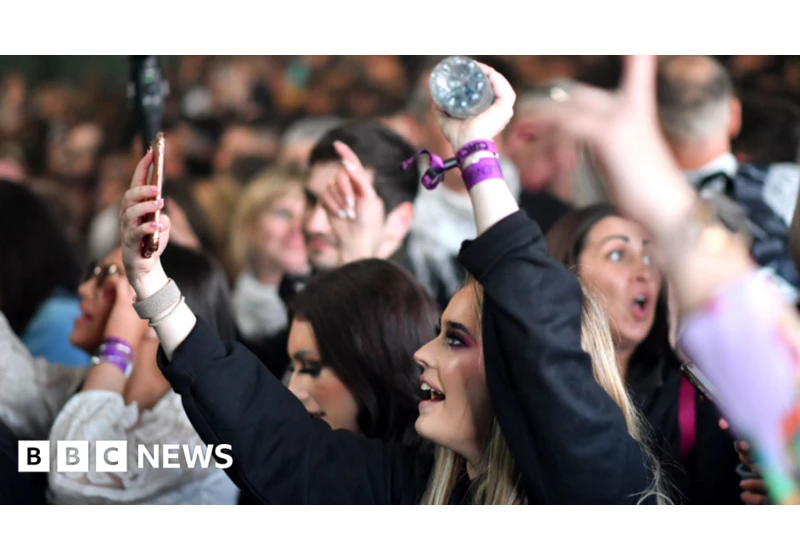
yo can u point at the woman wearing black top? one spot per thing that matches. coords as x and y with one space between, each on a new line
568 439
615 259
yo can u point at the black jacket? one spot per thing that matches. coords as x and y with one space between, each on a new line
709 475
18 488
568 437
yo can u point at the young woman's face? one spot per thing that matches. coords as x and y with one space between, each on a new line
97 299
278 234
317 387
457 411
618 265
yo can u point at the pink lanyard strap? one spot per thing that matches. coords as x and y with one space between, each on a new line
687 418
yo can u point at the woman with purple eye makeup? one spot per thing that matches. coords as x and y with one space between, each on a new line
521 398
351 347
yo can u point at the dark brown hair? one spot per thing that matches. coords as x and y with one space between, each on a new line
378 148
37 257
369 318
566 241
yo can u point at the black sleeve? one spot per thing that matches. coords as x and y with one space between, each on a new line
280 454
271 350
713 475
567 435
18 488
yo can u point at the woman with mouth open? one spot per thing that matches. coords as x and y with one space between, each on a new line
615 259
512 400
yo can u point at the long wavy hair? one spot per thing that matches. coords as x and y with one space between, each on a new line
498 480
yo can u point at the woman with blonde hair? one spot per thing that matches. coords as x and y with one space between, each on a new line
498 479
511 392
266 243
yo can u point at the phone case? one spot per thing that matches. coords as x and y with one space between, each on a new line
150 241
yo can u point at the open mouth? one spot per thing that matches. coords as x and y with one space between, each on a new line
641 305
318 414
431 394
83 319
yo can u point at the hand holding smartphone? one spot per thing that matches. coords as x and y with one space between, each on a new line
150 242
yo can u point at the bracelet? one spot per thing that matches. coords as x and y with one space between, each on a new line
481 170
115 357
117 349
472 147
159 302
122 344
116 345
152 323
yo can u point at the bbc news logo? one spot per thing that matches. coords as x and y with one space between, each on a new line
112 456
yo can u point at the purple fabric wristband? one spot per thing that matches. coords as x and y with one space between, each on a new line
120 362
481 170
117 342
472 147
116 351
746 343
438 166
436 169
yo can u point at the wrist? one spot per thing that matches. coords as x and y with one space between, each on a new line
473 150
484 170
122 332
476 157
150 283
117 352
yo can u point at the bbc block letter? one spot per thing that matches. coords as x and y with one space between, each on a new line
34 456
111 456
72 456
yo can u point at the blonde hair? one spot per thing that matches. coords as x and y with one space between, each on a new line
498 480
259 195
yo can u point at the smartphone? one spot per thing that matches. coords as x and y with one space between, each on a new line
695 377
150 241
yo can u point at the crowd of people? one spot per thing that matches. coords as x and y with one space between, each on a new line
519 333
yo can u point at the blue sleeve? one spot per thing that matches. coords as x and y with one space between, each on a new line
47 334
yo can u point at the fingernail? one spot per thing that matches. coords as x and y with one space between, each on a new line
341 214
351 202
154 189
157 202
349 165
351 214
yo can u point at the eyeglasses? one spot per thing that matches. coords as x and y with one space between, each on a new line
101 273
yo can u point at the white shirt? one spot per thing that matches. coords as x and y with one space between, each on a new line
38 401
101 415
258 308
726 163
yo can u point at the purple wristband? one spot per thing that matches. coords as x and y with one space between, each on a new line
117 343
472 147
481 170
124 364
115 351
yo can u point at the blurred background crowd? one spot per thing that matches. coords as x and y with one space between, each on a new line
66 123
243 134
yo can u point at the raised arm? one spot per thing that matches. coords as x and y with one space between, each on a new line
567 435
281 455
737 329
